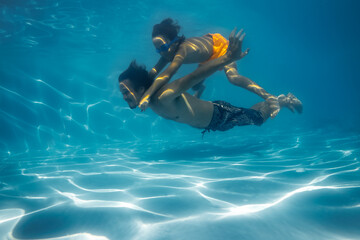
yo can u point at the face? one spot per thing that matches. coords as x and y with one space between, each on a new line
162 47
131 96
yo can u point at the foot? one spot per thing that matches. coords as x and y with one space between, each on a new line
291 102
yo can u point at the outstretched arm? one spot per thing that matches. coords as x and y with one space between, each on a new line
163 78
179 86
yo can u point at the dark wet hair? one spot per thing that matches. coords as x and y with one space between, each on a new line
167 28
138 76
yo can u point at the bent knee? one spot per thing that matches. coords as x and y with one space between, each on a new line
256 117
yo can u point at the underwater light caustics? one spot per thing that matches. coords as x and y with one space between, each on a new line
254 208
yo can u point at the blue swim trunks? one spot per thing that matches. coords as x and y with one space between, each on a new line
226 116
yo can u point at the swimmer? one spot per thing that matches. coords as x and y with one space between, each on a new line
172 101
177 50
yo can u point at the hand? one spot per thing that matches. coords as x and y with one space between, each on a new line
144 103
235 43
274 106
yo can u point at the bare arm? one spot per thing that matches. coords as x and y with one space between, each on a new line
163 78
181 85
158 67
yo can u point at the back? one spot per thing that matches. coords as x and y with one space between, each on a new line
197 49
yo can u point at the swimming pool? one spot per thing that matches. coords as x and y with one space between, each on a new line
77 163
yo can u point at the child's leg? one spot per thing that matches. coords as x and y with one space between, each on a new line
235 78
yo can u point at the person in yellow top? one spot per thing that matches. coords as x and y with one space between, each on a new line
177 50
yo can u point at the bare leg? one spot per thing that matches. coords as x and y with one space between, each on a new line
235 78
288 101
263 108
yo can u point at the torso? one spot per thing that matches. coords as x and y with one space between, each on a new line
197 49
185 109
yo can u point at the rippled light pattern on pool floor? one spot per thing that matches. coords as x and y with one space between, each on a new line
277 187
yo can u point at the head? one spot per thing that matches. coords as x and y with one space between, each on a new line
133 82
165 37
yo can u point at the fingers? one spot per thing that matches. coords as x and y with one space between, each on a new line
236 39
239 33
239 36
232 34
143 105
231 38
143 108
242 37
235 44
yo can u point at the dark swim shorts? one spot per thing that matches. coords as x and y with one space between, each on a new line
226 116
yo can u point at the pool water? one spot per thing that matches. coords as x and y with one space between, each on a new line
77 163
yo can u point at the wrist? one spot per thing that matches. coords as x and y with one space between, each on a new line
226 59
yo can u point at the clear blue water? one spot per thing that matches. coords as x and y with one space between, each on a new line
76 163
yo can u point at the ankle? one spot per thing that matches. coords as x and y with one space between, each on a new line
283 101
